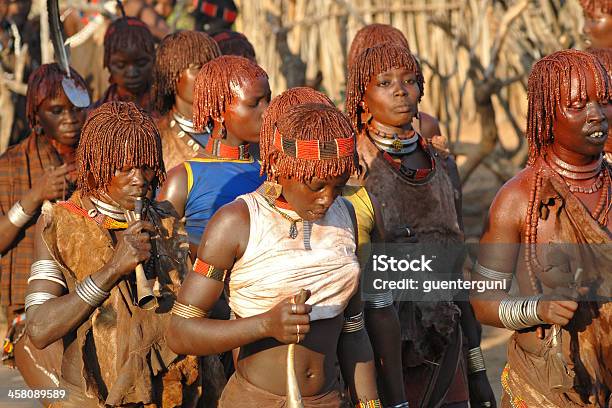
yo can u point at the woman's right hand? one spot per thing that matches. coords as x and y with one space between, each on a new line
282 321
52 185
553 310
133 247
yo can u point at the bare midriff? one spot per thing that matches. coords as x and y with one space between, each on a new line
263 363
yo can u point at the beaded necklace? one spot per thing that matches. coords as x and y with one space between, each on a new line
99 218
293 231
219 150
391 143
569 172
600 214
187 129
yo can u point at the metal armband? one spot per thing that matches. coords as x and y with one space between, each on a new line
493 274
47 269
17 215
187 311
520 312
377 300
37 298
475 360
353 324
400 405
90 293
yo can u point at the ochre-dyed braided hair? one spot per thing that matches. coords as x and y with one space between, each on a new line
313 121
234 43
371 63
174 55
216 84
46 82
591 7
373 35
544 92
125 33
117 135
281 104
605 57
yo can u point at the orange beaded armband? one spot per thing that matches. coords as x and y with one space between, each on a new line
209 271
369 404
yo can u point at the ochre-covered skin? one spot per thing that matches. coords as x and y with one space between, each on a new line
568 98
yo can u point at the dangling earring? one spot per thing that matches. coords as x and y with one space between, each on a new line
366 116
270 189
222 134
38 130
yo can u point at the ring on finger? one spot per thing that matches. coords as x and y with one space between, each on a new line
298 329
294 308
298 338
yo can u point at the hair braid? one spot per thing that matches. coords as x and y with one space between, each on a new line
372 35
117 135
234 43
312 121
174 55
46 82
277 108
214 88
544 92
590 7
124 33
370 63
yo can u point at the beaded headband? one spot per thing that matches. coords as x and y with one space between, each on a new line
229 36
315 149
131 22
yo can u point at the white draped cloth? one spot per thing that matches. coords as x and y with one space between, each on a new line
321 259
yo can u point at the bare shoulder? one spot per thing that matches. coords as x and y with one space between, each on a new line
175 189
430 126
231 215
176 175
509 208
227 234
516 190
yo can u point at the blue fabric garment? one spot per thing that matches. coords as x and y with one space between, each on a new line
213 183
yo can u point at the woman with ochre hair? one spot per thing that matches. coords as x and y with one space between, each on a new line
407 176
428 126
293 233
180 56
40 168
380 315
230 95
129 56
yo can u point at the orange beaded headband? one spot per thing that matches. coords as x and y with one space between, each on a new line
315 149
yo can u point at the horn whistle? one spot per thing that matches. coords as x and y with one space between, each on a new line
145 299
